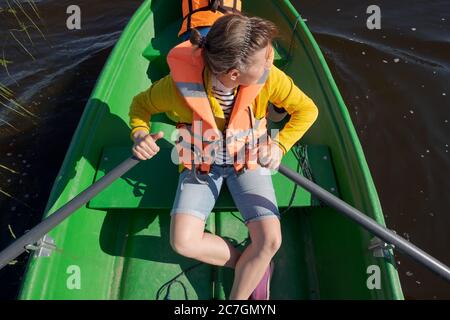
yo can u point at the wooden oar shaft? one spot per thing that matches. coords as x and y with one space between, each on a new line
371 225
35 234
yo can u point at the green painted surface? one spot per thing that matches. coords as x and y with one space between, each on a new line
125 253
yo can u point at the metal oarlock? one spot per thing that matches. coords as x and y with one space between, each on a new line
37 236
43 247
380 248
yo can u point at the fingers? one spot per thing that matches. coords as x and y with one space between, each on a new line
276 156
158 136
147 148
264 161
145 152
139 155
264 155
269 162
273 164
149 144
269 156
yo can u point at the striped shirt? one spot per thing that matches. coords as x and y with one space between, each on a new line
225 97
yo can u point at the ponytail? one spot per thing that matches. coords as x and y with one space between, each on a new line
197 39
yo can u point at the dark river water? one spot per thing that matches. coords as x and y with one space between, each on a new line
395 82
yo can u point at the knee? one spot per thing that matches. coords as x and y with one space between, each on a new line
183 247
270 244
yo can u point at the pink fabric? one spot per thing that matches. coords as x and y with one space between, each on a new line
262 290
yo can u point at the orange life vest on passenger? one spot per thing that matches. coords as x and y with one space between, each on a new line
200 141
203 13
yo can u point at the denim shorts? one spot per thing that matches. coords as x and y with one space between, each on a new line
252 192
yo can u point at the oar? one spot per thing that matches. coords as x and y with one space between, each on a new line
35 234
31 237
371 225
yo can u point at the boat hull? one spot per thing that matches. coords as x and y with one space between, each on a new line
117 249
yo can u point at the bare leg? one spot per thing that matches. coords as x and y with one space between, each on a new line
188 238
250 268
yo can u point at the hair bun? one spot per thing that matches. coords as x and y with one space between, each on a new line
202 42
197 39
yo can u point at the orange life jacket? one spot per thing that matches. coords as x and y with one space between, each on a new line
203 13
199 141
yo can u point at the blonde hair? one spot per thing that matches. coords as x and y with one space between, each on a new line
232 41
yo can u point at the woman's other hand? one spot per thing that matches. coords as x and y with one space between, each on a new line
270 155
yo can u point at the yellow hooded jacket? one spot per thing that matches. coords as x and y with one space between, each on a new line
163 96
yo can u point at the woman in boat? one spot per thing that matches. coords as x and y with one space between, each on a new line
219 86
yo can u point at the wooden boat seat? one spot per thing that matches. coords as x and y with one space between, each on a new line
152 184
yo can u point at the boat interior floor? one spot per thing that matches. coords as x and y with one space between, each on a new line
137 224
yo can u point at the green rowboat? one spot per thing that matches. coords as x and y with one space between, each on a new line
117 245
